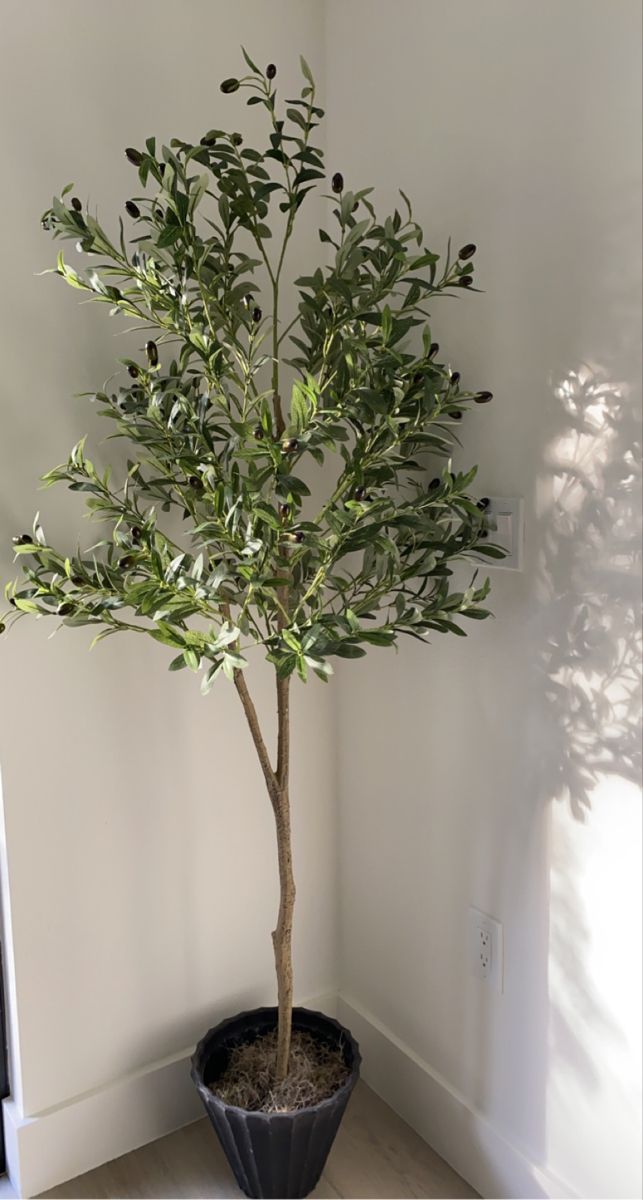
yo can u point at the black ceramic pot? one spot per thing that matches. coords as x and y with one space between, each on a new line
273 1154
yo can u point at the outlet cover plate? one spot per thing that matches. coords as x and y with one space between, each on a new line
486 950
506 524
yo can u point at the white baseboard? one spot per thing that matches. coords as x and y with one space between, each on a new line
53 1146
441 1116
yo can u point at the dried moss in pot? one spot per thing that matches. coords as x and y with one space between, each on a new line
316 1071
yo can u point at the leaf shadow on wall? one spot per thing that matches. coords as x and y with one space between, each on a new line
589 682
591 550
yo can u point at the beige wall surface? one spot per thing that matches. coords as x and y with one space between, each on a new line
502 771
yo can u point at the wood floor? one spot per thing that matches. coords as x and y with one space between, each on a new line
376 1156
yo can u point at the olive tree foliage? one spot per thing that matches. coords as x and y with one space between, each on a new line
198 267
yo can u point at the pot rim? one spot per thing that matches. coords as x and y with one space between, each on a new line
199 1059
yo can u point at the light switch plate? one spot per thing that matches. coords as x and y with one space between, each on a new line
505 522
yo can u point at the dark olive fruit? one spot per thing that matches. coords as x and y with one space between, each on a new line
483 503
133 370
162 169
290 444
271 71
355 206
77 580
465 281
457 415
483 397
196 482
359 492
22 539
134 156
435 483
337 182
229 85
2 626
159 214
484 533
236 139
418 378
64 609
467 251
12 602
126 562
151 350
208 140
135 533
299 536
258 432
256 314
433 349
284 510
76 204
455 378
132 209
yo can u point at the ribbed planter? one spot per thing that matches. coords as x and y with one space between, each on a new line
273 1154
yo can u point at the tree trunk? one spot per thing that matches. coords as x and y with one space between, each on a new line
282 937
277 783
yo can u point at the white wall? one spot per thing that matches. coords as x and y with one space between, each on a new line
500 771
139 844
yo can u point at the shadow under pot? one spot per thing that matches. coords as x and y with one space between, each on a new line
274 1154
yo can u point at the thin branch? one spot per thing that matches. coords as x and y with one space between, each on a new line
257 737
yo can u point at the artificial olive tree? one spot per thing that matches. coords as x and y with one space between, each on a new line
211 434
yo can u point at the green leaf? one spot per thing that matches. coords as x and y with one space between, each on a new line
290 640
349 650
306 71
27 606
198 192
301 407
253 66
210 677
491 551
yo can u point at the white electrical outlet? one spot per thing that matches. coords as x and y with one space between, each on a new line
485 948
484 952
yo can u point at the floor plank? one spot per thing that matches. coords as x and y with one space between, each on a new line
376 1156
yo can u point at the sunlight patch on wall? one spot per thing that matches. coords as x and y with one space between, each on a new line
589 580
